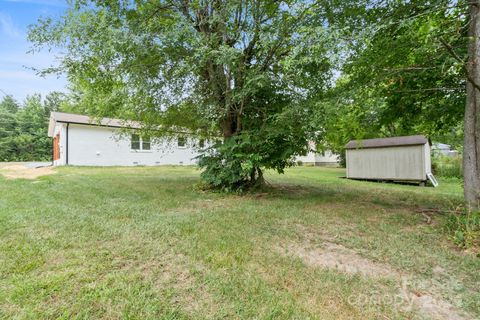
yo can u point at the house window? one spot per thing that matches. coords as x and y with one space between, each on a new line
182 141
140 143
146 143
135 144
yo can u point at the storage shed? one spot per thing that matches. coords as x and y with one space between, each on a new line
394 159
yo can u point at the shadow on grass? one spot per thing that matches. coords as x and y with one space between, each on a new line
387 198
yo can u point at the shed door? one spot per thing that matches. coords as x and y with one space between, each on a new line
56 147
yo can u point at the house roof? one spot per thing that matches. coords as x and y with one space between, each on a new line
387 142
62 117
441 146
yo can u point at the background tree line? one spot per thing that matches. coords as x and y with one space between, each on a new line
24 126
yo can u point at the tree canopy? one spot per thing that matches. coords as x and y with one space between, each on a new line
398 77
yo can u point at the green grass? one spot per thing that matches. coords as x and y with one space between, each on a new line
146 243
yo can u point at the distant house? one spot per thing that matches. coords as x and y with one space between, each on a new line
443 149
326 158
396 159
80 140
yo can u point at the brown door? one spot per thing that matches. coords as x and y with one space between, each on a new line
56 147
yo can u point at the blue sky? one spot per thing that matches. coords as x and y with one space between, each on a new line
15 76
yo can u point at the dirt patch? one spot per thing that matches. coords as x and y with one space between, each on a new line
18 171
341 258
427 304
346 260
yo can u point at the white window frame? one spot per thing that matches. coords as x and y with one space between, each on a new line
141 142
184 145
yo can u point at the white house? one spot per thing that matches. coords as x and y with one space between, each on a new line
327 158
443 149
80 140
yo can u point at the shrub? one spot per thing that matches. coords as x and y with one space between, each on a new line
447 167
464 228
237 163
229 171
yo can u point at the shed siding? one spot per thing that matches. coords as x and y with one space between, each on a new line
428 159
103 146
392 163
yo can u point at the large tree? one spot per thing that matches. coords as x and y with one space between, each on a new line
244 71
471 151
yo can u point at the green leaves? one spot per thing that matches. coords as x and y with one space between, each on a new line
397 78
235 164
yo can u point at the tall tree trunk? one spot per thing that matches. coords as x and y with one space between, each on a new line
471 152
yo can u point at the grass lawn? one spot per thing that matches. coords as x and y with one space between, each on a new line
145 243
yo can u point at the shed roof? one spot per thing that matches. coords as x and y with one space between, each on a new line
387 142
83 119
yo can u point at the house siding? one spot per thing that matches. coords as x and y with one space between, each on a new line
90 145
326 158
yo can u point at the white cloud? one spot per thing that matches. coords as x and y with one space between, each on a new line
55 3
23 83
17 77
7 26
17 57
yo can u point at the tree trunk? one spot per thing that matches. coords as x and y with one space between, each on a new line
256 178
471 152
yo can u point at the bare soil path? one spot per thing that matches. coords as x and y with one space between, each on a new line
25 170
